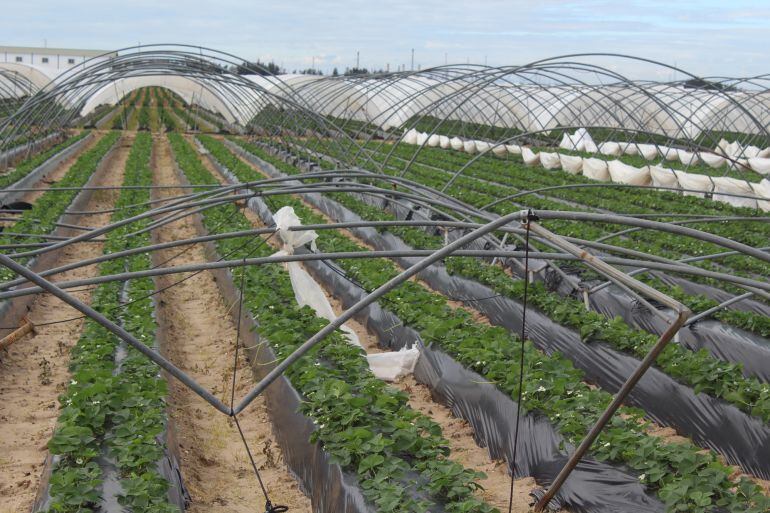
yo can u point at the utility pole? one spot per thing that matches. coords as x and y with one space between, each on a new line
412 68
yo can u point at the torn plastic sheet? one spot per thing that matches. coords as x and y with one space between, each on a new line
385 366
743 440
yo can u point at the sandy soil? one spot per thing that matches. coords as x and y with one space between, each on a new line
200 339
457 431
33 372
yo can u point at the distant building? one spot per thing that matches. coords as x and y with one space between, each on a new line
51 60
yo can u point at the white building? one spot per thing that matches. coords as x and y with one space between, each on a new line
52 61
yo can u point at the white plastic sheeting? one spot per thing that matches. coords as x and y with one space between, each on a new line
456 143
664 177
596 169
433 140
610 148
388 366
513 149
623 173
696 182
550 160
571 164
443 141
648 151
579 141
469 147
410 136
499 150
530 158
760 165
724 184
687 158
762 189
712 159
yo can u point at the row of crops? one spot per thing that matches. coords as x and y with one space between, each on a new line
529 400
615 332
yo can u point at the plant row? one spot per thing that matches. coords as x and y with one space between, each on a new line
479 193
48 208
399 455
115 402
27 166
685 477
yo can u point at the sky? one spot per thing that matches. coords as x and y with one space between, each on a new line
706 38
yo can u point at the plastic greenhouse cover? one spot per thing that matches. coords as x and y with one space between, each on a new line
456 143
513 149
469 147
762 189
443 141
697 182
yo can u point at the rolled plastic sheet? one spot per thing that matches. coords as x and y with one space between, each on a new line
443 142
630 148
530 158
513 149
433 140
469 147
610 148
648 151
763 154
550 160
712 159
667 153
750 152
687 158
410 137
422 138
10 194
697 182
623 173
456 143
566 142
760 165
482 146
499 150
663 177
596 169
571 164
724 184
762 189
